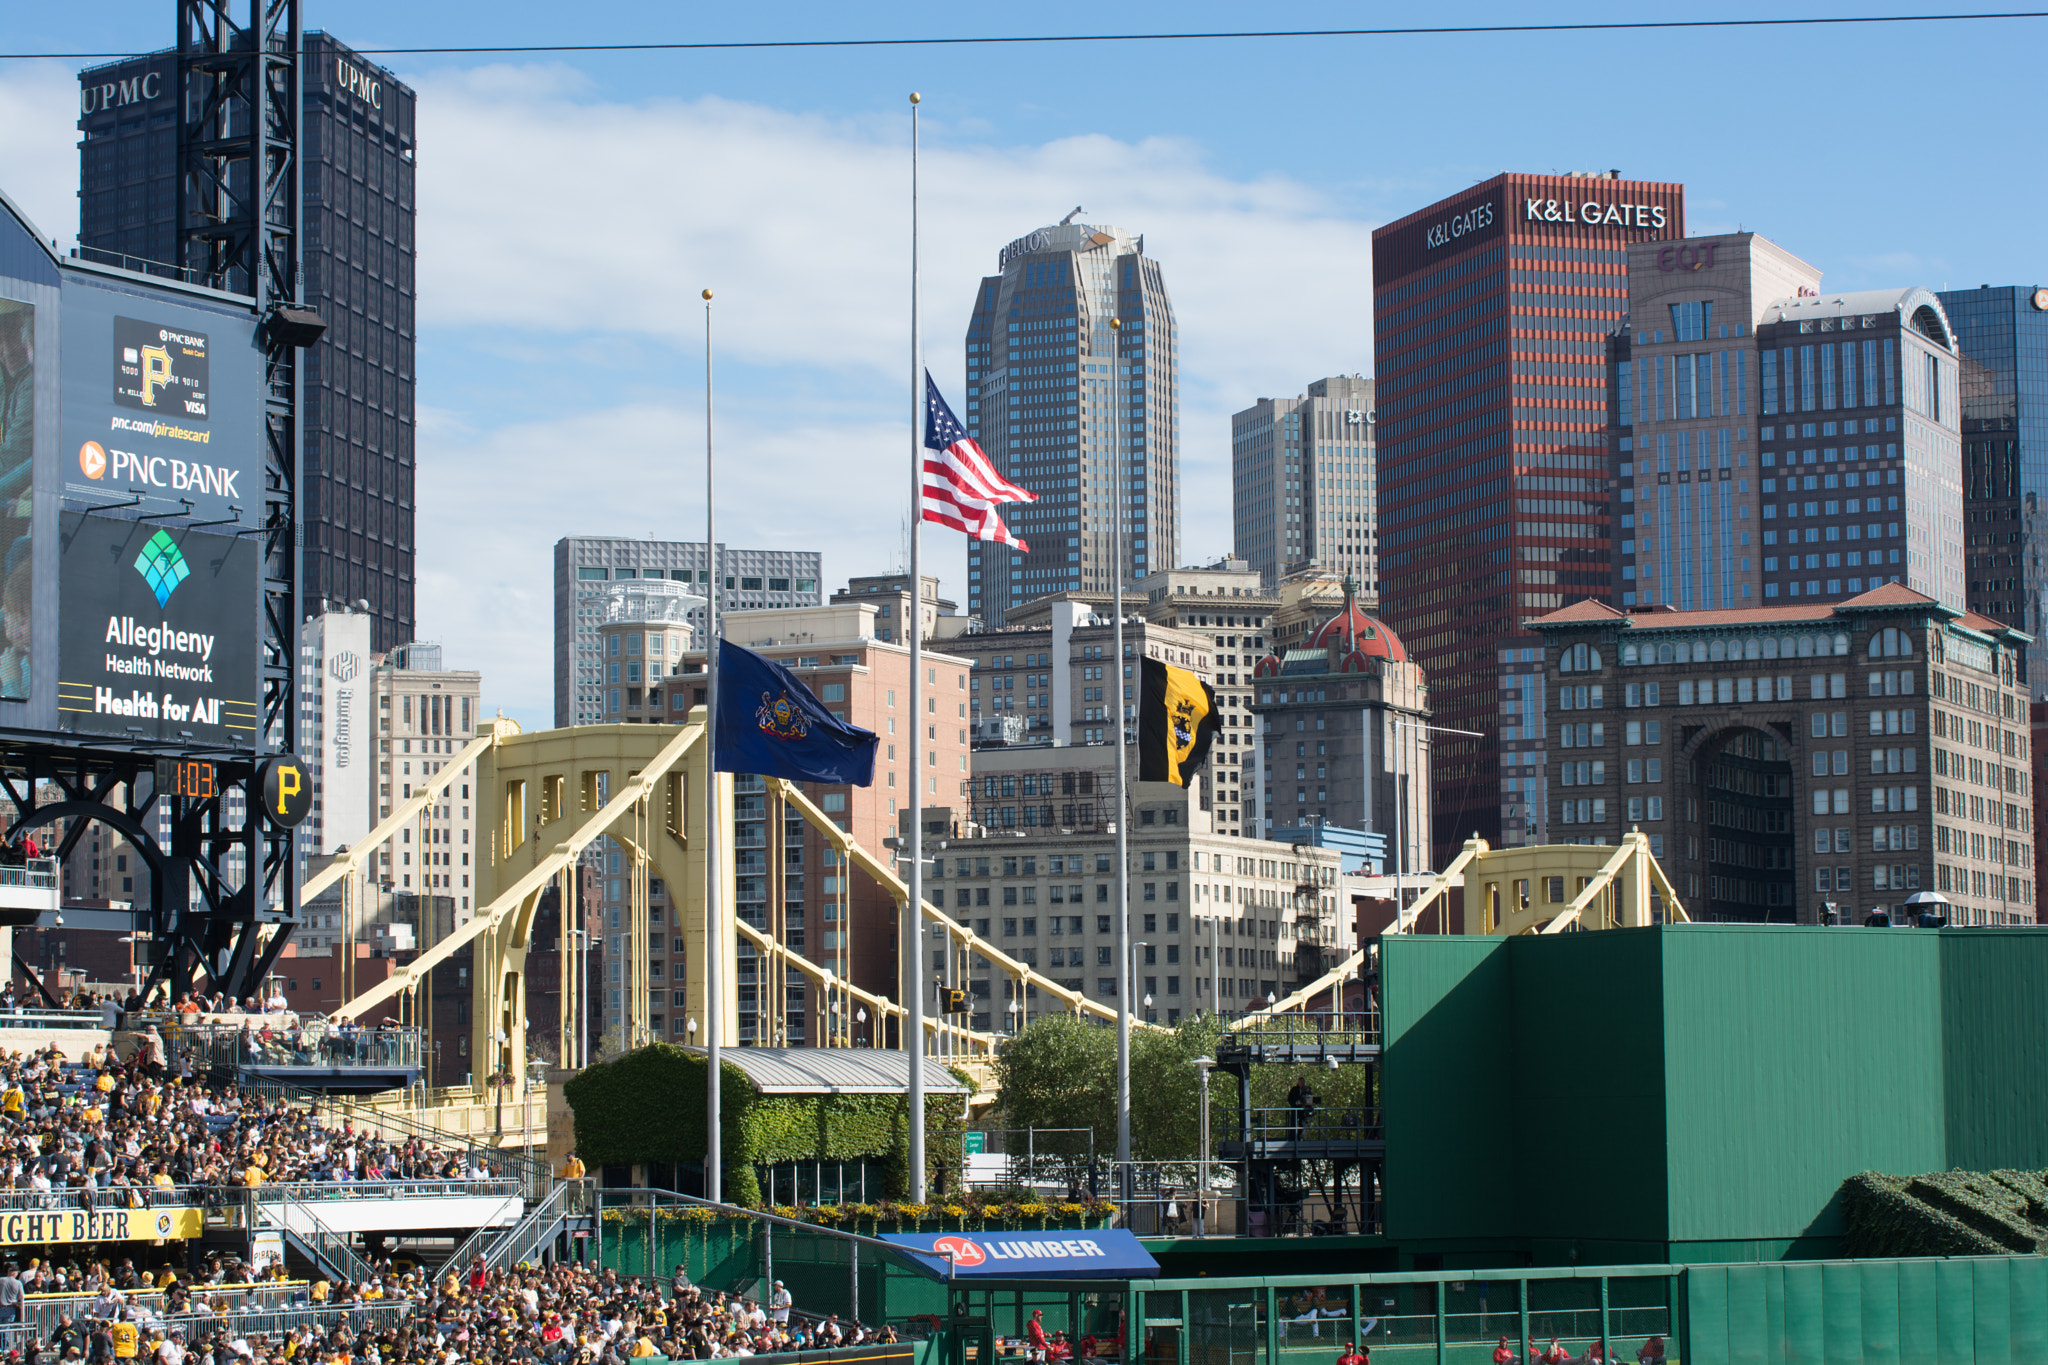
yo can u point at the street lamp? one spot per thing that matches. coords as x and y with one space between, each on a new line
861 1018
1014 1011
1201 1066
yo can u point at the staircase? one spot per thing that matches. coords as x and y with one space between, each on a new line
274 1207
526 1239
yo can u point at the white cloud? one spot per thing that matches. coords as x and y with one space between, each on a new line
39 145
551 215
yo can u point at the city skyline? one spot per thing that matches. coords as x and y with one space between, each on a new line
533 325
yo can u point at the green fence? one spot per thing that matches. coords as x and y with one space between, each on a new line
732 1254
1990 1310
1299 1320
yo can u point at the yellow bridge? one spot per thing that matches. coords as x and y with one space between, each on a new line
544 798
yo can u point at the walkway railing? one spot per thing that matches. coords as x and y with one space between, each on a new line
532 1172
36 874
1301 1028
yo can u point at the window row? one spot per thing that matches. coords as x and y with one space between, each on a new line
1720 649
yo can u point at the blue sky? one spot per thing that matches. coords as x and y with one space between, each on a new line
572 206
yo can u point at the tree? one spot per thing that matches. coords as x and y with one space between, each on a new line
1061 1073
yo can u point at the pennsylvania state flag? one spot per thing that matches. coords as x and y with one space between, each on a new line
1176 720
769 723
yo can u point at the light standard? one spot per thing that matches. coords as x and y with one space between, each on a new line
1401 810
1215 986
860 1018
1014 1010
1201 1066
579 963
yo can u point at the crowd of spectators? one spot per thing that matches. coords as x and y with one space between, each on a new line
555 1315
107 1129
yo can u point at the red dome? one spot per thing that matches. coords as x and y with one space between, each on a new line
1369 636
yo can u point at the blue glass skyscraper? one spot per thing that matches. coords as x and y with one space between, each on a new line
2002 332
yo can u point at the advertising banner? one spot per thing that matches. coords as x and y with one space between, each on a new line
162 407
20 1227
159 634
1065 1255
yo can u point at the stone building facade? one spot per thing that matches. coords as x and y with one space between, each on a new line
1792 761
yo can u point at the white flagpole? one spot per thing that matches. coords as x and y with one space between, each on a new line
913 912
714 939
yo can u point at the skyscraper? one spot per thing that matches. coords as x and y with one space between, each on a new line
1073 389
1301 473
1491 311
2002 333
586 567
356 226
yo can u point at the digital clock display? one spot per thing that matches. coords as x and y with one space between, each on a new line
187 777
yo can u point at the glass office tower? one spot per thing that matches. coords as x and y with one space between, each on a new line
2002 332
1084 413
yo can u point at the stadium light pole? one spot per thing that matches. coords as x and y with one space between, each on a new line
1123 859
714 940
912 936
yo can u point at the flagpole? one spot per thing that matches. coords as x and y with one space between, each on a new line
913 911
714 939
1123 809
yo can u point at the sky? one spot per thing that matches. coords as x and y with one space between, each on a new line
573 206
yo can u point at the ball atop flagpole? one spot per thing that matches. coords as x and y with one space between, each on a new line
916 98
707 296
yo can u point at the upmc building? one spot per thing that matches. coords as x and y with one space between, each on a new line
1491 311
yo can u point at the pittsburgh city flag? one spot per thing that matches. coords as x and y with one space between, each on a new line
960 488
1176 720
769 723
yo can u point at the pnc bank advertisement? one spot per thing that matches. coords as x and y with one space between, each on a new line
162 409
159 632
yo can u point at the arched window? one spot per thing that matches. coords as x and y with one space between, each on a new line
1628 656
1842 643
1806 646
1770 646
1718 651
1663 654
1905 644
1593 655
1877 648
1751 648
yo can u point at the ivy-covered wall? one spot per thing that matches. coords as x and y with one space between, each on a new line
648 1106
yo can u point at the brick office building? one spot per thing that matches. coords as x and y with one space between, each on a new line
1790 758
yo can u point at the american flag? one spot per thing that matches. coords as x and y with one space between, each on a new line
960 487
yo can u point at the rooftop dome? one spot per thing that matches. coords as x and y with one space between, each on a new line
1369 634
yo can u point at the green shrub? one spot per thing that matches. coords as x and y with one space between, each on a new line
1945 1213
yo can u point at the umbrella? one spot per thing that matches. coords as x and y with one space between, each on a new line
1927 898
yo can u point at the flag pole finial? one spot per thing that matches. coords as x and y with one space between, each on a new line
916 98
707 296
